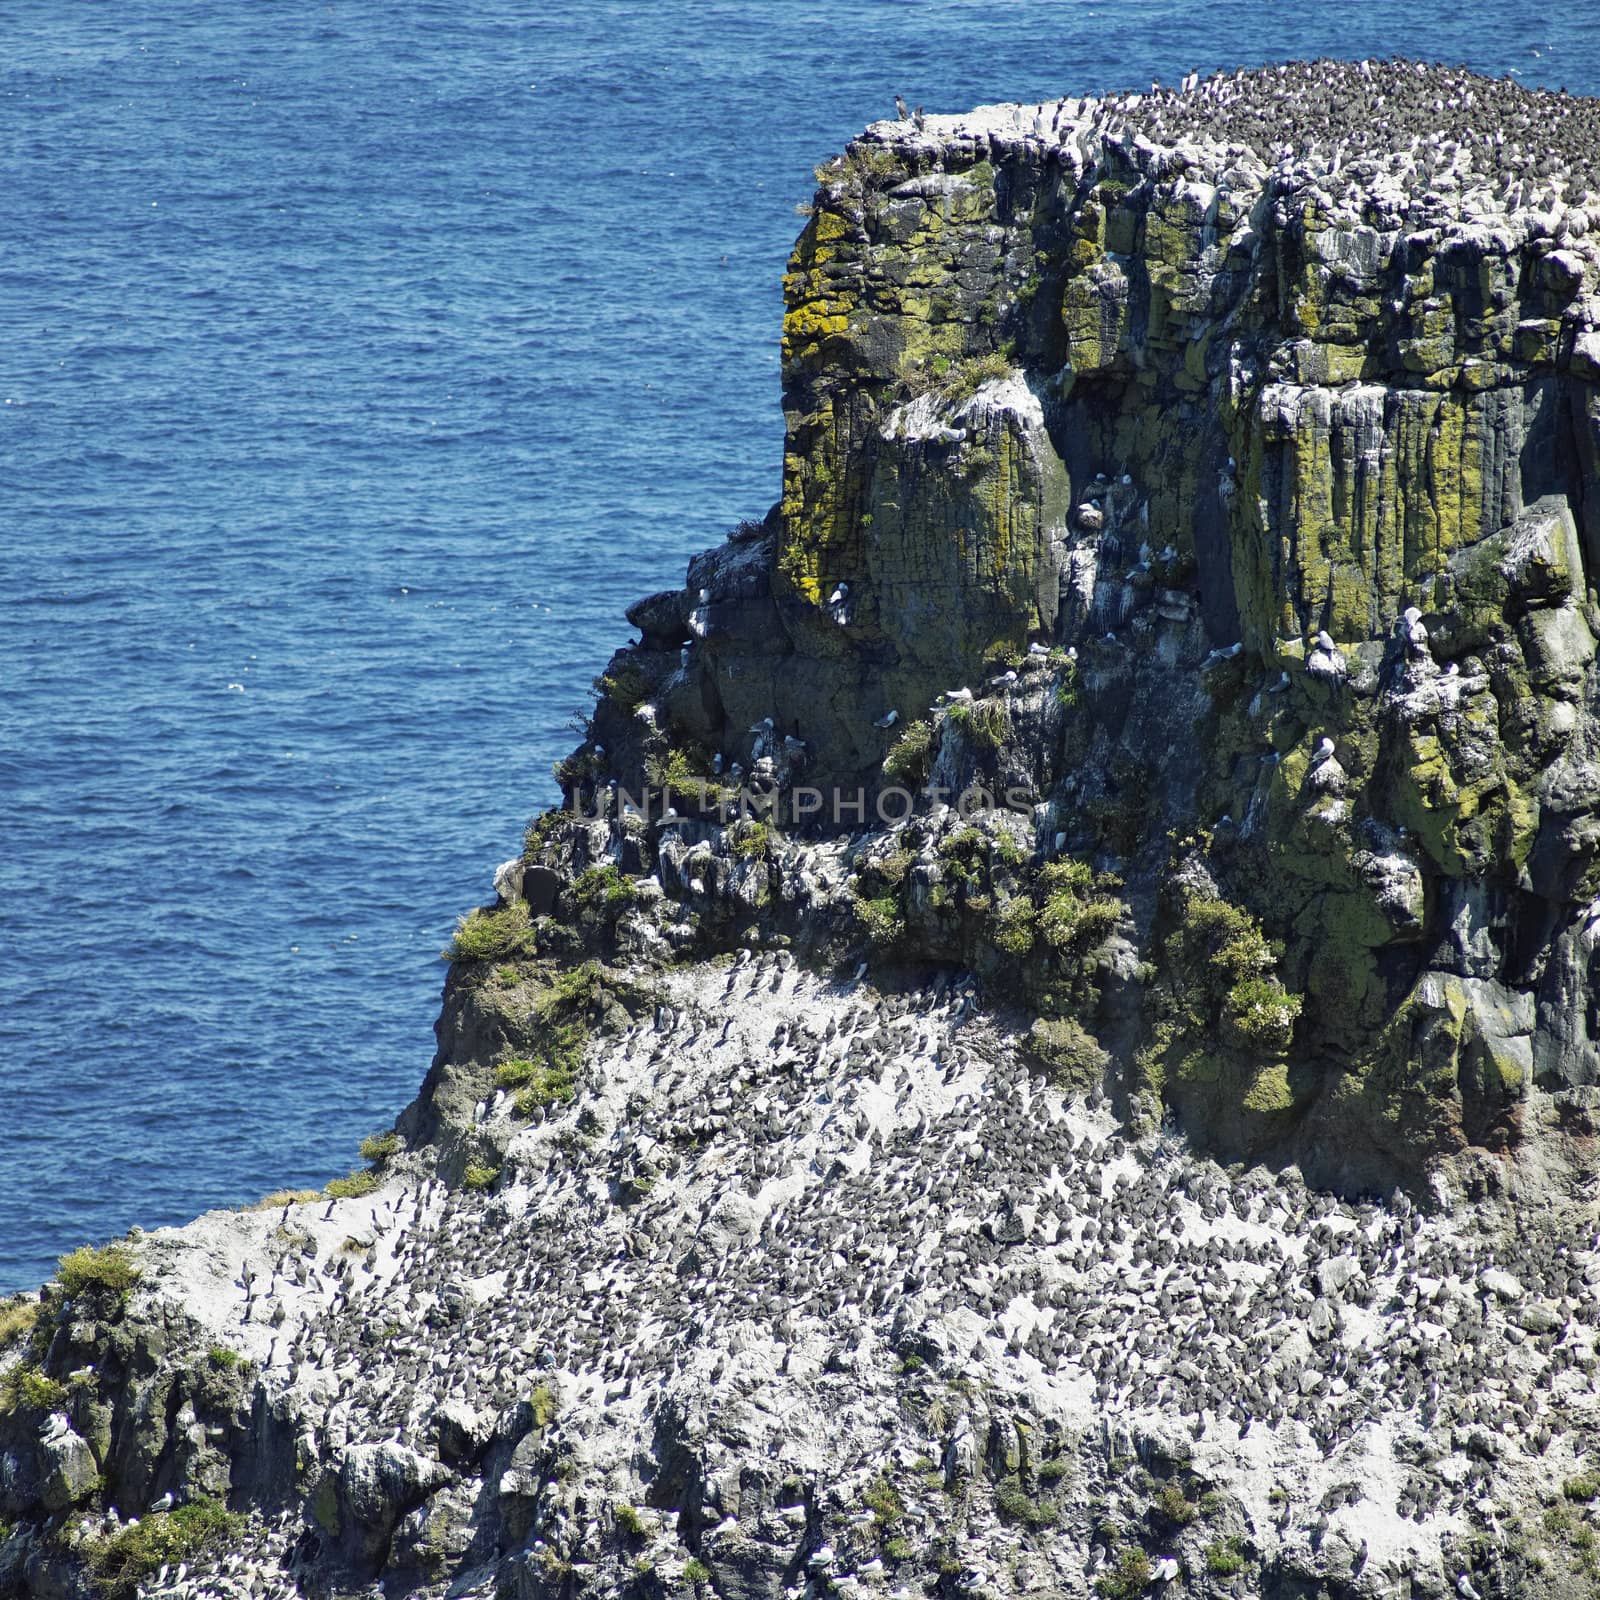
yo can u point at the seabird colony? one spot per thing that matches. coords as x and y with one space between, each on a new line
1474 144
769 1184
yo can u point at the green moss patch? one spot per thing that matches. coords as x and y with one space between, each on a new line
164 1538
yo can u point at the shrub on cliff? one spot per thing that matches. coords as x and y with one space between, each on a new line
377 1148
626 687
910 756
1014 926
602 891
502 935
1127 1578
880 919
25 1387
683 774
1227 966
352 1187
547 1081
163 1538
986 724
17 1317
751 840
108 1272
1080 906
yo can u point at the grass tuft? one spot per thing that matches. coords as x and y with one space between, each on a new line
163 1538
107 1271
484 935
359 1183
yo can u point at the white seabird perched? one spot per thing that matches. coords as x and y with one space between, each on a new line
1326 660
1413 631
1037 649
840 594
960 697
887 720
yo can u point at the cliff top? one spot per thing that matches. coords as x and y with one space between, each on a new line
1402 136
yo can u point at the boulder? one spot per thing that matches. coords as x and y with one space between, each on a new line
69 1471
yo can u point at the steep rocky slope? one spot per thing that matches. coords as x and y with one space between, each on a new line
1050 1046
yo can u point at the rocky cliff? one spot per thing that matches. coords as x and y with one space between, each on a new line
1050 1045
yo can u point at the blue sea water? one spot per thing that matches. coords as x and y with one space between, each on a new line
358 364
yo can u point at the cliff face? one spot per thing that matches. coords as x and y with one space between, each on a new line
1297 461
1125 812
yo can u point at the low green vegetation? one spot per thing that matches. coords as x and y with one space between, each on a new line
1584 1487
625 686
163 1538
1069 686
478 1175
628 1519
860 168
964 856
683 774
485 935
286 1197
224 1359
884 1502
543 1404
881 919
1015 1504
957 379
540 830
545 1070
910 757
986 724
750 840
378 1148
27 1387
1127 1578
696 1571
107 1271
1228 968
552 1081
17 1317
1014 926
1225 1557
602 891
1080 906
1173 1507
353 1187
